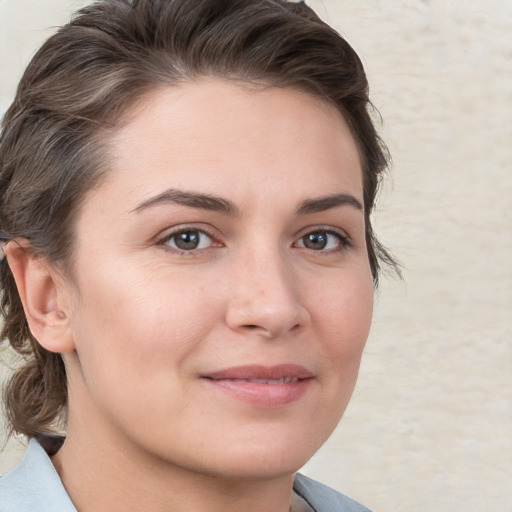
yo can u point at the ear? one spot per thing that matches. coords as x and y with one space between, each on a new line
44 296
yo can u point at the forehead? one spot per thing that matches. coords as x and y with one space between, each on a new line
214 134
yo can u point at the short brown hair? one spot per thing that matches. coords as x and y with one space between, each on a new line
89 73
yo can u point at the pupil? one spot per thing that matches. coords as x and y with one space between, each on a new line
187 240
316 241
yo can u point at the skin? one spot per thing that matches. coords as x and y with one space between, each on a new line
144 321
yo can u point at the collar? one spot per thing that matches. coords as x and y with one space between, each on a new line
34 484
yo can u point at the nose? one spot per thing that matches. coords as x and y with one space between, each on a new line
265 298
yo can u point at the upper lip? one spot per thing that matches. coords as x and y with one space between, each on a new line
246 372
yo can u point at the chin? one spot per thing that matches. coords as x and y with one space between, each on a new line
260 467
267 458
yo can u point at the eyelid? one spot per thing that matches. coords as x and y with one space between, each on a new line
344 238
166 235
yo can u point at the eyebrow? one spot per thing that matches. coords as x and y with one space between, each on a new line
218 204
322 204
192 200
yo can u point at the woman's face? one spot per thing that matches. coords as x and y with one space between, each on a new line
225 294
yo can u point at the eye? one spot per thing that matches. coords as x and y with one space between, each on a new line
188 239
323 240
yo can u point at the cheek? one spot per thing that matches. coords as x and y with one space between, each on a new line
341 316
135 340
137 328
343 313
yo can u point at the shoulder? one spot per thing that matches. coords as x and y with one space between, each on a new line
33 485
324 499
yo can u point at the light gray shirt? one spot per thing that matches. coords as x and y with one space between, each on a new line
34 485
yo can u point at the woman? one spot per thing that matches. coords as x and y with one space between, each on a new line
186 191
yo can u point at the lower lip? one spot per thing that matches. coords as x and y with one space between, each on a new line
262 395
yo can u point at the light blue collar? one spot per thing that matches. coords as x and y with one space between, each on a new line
34 485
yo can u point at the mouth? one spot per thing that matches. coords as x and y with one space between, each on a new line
262 386
273 382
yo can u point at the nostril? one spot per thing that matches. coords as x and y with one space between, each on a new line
257 329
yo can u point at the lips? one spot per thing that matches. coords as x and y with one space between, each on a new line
282 380
262 386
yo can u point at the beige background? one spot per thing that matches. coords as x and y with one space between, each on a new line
430 424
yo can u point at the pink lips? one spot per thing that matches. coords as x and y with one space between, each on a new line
263 386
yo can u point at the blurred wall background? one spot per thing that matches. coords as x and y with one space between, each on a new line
430 424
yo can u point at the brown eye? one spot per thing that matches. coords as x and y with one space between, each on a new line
322 240
189 240
316 241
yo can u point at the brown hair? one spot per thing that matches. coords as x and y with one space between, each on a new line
82 80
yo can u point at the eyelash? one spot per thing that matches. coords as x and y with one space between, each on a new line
344 241
164 241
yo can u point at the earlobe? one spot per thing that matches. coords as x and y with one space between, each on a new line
45 302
